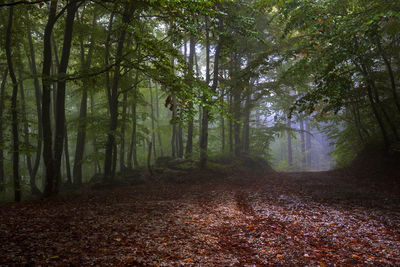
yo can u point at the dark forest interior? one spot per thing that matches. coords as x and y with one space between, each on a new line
200 133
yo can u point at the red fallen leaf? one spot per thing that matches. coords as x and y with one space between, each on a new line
321 264
355 256
190 260
279 256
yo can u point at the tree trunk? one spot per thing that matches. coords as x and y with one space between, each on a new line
14 108
303 144
38 93
230 100
222 124
149 159
32 181
153 136
133 147
113 100
246 122
158 122
289 136
308 143
2 96
61 84
123 123
189 79
81 135
204 117
66 154
50 185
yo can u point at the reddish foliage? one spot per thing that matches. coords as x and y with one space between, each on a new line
293 219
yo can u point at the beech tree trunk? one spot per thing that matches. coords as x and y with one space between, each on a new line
189 79
60 125
86 62
110 158
2 96
308 143
123 124
133 147
39 144
158 122
14 108
289 138
303 144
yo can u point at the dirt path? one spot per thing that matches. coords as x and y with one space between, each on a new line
282 219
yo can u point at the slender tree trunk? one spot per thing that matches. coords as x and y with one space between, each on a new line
180 140
189 79
246 122
81 135
158 122
308 143
303 144
50 184
109 170
32 181
61 85
123 123
67 160
14 108
289 136
204 117
95 148
38 93
231 122
2 96
222 124
153 136
133 147
149 159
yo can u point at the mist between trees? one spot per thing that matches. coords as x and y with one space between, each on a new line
98 88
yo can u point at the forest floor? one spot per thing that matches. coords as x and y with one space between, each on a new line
283 219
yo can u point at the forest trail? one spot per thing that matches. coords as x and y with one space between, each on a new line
316 219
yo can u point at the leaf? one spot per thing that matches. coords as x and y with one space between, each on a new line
355 256
118 239
190 260
280 256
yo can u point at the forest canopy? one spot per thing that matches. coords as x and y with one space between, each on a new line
97 88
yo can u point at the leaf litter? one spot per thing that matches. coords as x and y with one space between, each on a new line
317 219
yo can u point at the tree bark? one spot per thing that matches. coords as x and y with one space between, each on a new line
81 135
2 96
308 143
60 125
158 122
39 144
189 79
289 136
109 170
14 108
123 124
50 184
133 147
153 136
303 144
246 122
